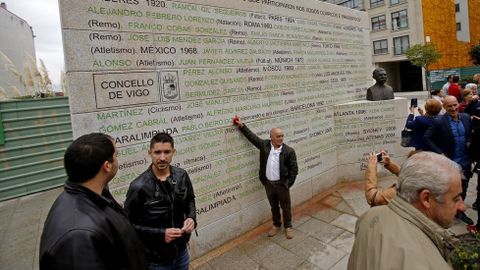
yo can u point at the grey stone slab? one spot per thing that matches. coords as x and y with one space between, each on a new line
308 266
299 221
345 208
18 256
21 238
471 197
345 221
320 230
235 259
472 213
458 228
342 264
298 237
204 266
349 192
359 205
344 242
7 209
320 254
327 215
271 255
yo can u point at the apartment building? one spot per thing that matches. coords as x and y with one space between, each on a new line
18 45
452 25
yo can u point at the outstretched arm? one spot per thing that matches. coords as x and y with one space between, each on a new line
252 137
389 164
373 194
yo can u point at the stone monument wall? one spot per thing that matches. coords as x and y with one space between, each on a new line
139 67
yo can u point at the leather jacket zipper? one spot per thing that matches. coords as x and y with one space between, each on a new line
170 198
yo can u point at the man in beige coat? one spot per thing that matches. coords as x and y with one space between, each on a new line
411 231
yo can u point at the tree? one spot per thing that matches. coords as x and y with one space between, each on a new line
424 56
475 54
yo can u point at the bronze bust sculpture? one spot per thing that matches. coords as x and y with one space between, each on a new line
380 90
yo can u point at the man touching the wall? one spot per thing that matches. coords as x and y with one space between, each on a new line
278 171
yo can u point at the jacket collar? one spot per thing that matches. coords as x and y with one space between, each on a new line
152 175
442 238
102 200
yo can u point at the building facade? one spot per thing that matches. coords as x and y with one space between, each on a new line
398 24
18 45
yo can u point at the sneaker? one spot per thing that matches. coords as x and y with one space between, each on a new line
289 233
273 231
463 217
475 205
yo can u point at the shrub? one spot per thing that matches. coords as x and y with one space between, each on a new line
466 255
35 81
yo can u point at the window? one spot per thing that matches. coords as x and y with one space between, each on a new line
379 22
457 7
380 46
400 45
394 2
459 26
399 20
376 3
350 4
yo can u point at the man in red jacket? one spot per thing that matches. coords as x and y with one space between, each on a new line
454 88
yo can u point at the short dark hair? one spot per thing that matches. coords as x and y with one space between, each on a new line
85 156
435 92
449 77
161 137
456 79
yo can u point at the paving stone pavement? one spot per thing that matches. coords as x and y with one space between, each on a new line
323 233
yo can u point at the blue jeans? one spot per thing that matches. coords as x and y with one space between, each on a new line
180 263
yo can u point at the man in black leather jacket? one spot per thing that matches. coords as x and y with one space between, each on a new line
278 171
86 228
161 205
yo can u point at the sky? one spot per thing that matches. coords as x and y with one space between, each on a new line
43 16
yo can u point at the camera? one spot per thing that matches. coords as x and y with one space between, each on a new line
413 103
379 157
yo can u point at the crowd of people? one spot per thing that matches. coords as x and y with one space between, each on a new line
153 228
414 213
87 229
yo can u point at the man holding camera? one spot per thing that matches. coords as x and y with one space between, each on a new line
278 170
376 196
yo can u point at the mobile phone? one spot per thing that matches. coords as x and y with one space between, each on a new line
379 157
413 103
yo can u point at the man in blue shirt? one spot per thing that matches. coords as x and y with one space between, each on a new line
449 136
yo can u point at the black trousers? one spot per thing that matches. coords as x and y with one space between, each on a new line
279 196
467 174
